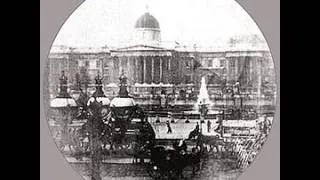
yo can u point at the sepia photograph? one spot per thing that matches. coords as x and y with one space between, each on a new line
168 89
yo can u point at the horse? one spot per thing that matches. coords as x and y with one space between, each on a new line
170 163
213 142
194 134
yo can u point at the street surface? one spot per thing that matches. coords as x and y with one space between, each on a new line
212 169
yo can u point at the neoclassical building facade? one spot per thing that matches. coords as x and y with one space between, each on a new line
151 66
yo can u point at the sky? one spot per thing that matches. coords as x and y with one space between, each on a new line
97 23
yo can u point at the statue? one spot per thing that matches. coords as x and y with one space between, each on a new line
63 79
236 88
63 86
99 91
63 76
98 79
123 79
123 85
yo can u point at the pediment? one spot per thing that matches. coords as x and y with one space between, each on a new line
141 48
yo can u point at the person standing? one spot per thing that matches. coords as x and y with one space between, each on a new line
197 128
172 119
187 120
169 127
157 119
209 126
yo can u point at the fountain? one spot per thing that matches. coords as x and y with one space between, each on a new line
203 97
203 101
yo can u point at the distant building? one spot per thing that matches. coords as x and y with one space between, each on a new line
150 64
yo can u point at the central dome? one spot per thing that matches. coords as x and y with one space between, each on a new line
147 21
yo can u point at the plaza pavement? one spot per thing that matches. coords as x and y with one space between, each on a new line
180 129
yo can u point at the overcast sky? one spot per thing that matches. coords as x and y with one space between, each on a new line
110 22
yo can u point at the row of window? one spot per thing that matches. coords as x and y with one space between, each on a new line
214 63
90 63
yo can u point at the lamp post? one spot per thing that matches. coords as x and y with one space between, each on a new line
92 110
122 107
94 121
64 104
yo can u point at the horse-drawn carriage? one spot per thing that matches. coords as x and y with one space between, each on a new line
177 158
170 162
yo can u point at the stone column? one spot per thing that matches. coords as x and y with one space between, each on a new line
116 69
259 74
250 69
227 66
144 69
120 66
236 62
140 69
129 71
160 68
152 68
170 75
136 70
191 69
